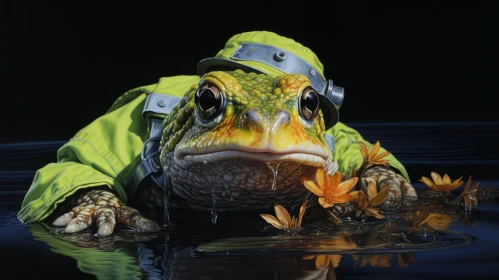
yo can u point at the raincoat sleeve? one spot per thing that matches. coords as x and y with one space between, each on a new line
104 153
347 150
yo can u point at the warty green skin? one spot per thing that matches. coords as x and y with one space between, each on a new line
239 182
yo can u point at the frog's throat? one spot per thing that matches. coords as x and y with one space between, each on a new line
309 157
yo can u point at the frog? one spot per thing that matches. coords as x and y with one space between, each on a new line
237 141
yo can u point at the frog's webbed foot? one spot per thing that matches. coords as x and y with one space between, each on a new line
104 209
385 177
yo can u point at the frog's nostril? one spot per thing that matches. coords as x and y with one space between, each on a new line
253 118
282 118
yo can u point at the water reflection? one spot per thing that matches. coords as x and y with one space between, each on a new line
191 253
104 258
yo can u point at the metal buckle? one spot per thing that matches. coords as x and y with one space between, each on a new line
160 104
286 62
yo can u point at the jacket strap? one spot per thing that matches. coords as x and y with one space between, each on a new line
330 141
156 107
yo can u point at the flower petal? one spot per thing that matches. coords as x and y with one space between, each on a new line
312 186
301 213
334 181
427 182
343 198
364 150
374 150
321 261
423 214
375 213
458 180
360 200
354 194
292 224
381 156
436 178
354 172
322 178
372 189
283 215
381 162
272 220
453 187
345 186
380 197
468 184
446 179
324 204
335 260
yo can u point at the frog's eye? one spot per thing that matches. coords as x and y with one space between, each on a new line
209 101
309 104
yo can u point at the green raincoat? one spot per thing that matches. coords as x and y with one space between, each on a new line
106 152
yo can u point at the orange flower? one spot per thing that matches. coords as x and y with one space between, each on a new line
372 157
469 194
323 261
284 220
333 244
439 221
374 198
330 189
420 218
442 185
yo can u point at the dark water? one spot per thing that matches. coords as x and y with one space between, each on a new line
463 245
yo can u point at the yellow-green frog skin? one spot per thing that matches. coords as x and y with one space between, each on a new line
243 140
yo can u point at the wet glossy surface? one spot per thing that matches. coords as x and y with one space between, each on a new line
242 246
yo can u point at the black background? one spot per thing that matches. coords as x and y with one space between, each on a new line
67 62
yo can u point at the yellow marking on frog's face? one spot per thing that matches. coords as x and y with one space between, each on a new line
255 116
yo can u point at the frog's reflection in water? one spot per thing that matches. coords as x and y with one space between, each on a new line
239 247
131 255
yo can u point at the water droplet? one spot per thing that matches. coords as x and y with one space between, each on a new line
213 217
213 206
274 167
205 162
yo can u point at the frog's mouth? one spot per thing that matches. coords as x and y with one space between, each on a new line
312 157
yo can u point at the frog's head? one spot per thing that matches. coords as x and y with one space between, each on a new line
248 116
248 130
259 126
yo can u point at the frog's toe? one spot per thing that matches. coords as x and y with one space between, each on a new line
143 224
105 229
134 219
63 220
147 225
82 221
106 220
